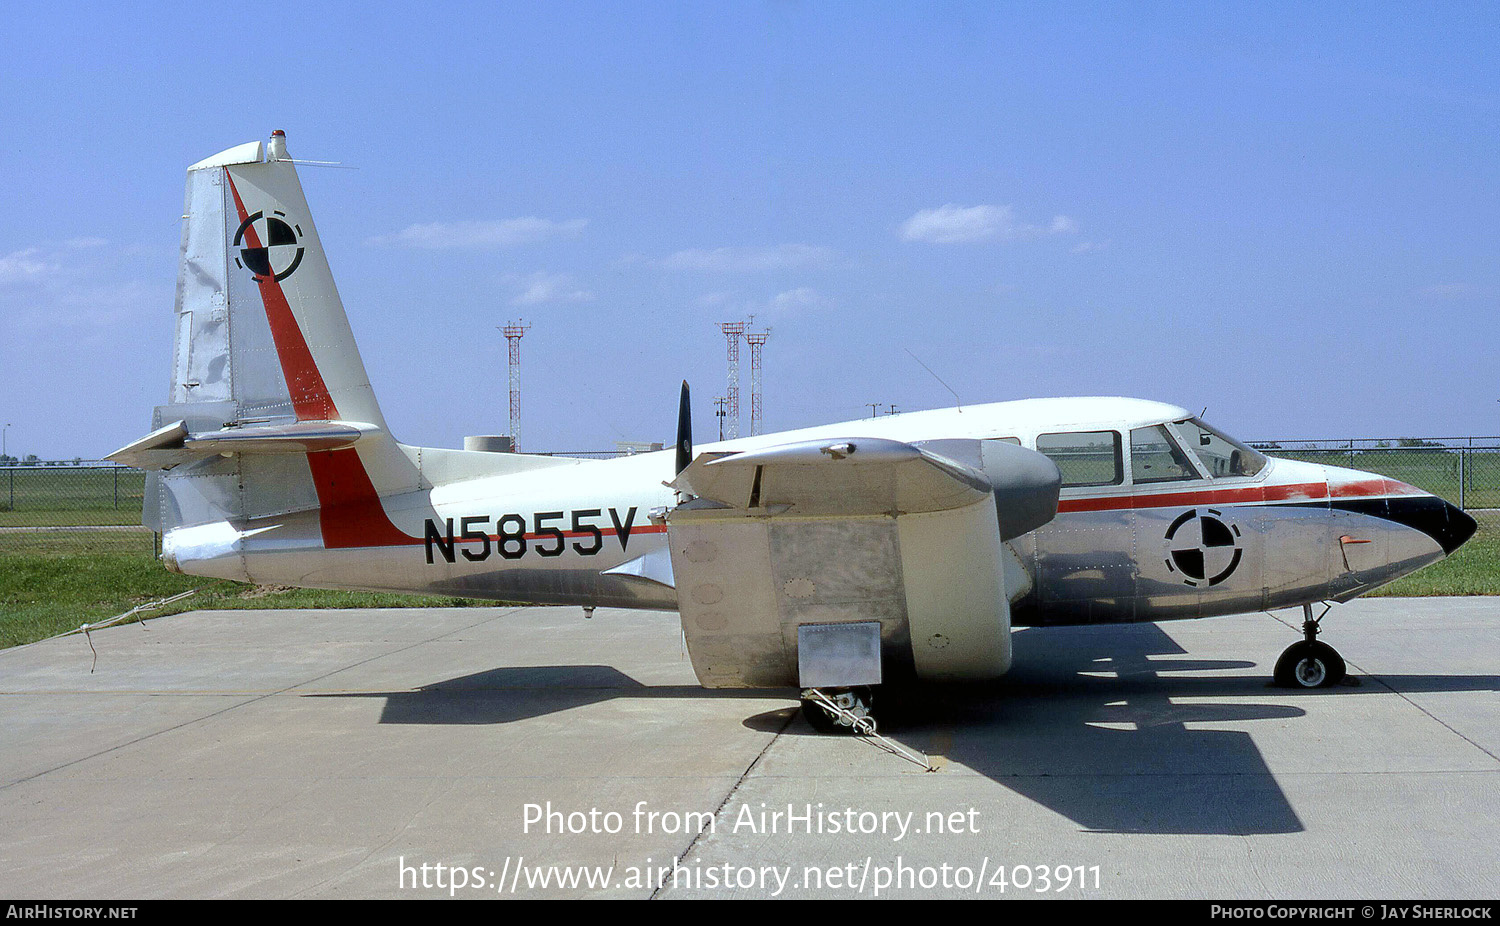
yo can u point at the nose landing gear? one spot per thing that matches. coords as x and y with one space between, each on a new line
1309 663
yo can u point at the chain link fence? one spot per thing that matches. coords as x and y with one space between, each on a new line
78 507
94 507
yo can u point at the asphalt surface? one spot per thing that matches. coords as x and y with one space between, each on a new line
335 753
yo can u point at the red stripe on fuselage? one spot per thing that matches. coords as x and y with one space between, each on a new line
1241 495
349 509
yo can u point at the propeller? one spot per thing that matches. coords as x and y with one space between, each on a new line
684 430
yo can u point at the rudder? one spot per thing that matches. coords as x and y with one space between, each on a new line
264 355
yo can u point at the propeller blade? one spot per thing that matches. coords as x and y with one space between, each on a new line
684 430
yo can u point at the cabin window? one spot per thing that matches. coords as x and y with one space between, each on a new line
1221 455
1008 440
1155 457
1086 458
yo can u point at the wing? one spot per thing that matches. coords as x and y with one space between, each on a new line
855 531
844 477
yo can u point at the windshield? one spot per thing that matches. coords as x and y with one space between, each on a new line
1222 456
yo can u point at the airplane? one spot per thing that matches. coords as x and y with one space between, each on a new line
831 559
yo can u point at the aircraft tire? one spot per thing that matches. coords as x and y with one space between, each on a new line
820 720
1309 665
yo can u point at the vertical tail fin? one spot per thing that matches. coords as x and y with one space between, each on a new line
264 356
271 427
259 320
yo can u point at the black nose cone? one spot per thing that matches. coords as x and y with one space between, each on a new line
1460 527
1448 524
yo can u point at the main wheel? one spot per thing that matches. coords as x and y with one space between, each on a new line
855 700
819 719
1309 665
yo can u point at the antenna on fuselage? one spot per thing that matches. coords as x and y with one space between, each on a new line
957 402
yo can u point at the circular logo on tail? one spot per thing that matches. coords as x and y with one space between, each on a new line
1202 548
270 246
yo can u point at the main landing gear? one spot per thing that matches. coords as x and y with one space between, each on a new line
1309 663
847 710
839 710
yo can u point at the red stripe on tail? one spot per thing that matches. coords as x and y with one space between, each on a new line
310 395
349 509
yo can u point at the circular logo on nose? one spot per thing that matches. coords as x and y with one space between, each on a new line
270 246
1202 548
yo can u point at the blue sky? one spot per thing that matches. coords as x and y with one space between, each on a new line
1284 212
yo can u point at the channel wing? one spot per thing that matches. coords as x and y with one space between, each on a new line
846 477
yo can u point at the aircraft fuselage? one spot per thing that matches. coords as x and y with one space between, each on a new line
1293 533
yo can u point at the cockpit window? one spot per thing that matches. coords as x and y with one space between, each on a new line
1221 455
1086 458
1154 457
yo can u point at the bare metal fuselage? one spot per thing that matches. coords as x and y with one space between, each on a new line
1297 533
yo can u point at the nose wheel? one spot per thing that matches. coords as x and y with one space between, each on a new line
1309 663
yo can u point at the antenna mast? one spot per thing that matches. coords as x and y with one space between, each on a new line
513 333
756 340
733 331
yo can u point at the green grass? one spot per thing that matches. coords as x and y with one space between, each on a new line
41 596
66 542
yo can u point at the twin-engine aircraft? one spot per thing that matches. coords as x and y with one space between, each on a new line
831 559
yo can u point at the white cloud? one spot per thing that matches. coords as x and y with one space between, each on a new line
792 301
955 224
549 287
24 266
715 300
802 298
952 224
54 291
751 259
481 235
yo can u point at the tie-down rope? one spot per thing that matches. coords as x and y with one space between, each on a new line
865 727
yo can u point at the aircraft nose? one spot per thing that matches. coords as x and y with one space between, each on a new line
1461 526
1443 521
1384 497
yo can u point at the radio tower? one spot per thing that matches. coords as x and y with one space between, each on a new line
513 333
756 340
733 331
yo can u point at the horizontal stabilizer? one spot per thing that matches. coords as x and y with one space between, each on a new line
293 437
173 444
161 449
